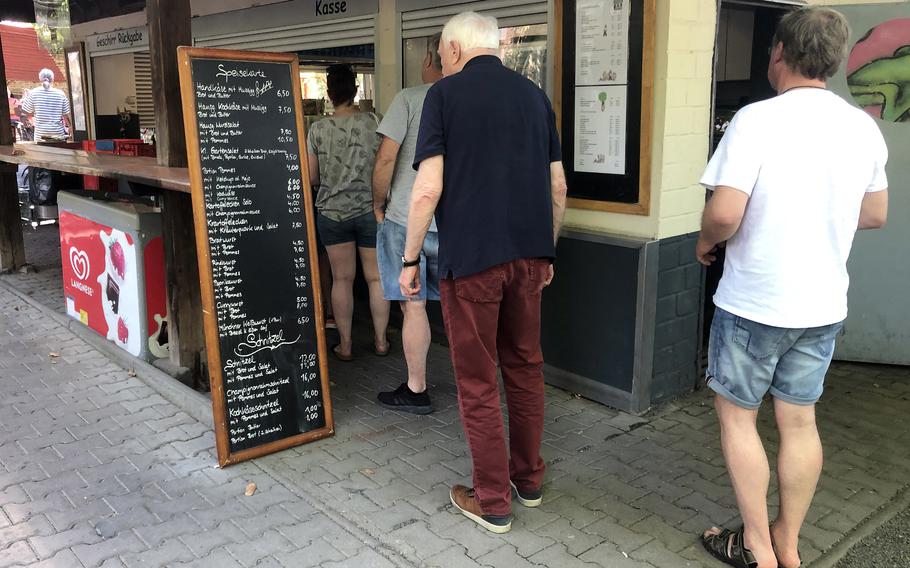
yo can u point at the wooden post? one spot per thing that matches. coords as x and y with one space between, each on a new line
12 249
169 27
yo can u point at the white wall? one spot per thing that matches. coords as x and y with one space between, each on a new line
114 80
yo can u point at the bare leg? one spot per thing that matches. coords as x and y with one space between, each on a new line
343 258
325 283
379 306
750 474
415 336
799 465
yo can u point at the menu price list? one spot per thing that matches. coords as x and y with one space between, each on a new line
255 214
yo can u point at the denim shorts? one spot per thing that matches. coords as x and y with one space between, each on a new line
360 230
747 360
390 239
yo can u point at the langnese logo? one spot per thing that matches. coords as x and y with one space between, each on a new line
327 8
80 263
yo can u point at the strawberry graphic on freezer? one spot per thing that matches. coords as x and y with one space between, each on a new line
120 294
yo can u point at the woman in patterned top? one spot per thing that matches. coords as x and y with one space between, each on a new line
341 151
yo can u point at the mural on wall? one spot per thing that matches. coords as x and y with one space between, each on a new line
878 71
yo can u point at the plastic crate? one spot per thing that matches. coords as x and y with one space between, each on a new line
133 148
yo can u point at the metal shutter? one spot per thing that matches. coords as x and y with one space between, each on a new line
421 23
299 37
145 103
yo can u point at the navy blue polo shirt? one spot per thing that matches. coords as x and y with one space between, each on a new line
497 133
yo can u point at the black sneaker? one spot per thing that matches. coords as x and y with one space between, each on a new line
406 400
527 498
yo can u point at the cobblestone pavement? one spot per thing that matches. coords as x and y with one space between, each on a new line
100 470
44 279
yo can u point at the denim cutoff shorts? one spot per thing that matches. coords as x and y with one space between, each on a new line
747 360
390 240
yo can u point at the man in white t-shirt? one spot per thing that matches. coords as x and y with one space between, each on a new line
794 178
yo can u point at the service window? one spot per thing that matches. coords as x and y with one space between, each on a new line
522 48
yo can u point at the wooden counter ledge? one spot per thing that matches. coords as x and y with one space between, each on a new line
139 169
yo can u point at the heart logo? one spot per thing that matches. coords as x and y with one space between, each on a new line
79 262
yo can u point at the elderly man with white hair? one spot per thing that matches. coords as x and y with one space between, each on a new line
488 159
48 105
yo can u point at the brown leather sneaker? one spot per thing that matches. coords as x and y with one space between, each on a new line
463 499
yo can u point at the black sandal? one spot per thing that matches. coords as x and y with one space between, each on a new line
774 548
728 546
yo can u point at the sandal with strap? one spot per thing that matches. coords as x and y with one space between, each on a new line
774 548
336 351
728 547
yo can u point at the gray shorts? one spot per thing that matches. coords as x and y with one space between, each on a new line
747 360
390 239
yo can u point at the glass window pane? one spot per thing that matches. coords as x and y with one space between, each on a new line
415 50
522 48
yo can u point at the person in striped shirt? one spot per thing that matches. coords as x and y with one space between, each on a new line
48 106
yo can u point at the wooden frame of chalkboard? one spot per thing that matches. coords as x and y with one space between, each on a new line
255 83
631 192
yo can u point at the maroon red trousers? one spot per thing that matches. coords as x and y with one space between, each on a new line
493 316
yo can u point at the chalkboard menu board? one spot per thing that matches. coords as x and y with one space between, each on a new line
258 263
606 96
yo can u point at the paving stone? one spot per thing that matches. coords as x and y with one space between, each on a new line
453 557
203 542
96 554
606 554
47 546
365 559
269 543
17 553
317 553
655 504
657 554
701 504
36 526
574 540
476 541
305 533
168 553
579 516
505 556
419 540
63 559
611 530
219 558
558 555
671 537
154 535
90 512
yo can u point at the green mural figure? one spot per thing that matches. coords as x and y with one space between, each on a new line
885 82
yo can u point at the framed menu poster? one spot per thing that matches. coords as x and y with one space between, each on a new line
255 236
605 101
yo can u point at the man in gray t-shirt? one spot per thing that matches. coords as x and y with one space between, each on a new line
393 178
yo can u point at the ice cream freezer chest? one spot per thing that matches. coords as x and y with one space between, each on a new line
113 271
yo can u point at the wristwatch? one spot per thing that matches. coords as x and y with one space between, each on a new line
409 263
